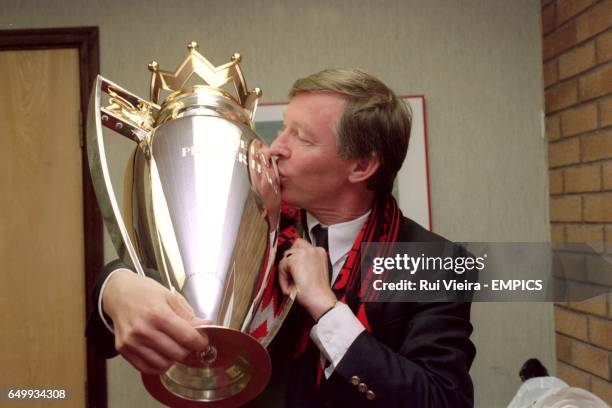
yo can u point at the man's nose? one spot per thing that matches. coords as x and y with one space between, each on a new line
279 147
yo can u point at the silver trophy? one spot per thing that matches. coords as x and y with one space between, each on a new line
202 208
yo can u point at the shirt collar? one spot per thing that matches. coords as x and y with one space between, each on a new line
341 236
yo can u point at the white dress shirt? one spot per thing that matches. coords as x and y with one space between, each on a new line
338 328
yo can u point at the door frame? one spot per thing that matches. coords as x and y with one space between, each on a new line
86 41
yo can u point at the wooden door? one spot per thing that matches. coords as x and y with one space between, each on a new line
42 277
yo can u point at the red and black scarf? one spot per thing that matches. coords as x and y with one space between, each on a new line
381 226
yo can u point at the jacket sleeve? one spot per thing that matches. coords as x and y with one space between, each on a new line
96 331
427 367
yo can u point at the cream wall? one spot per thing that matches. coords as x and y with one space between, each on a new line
478 63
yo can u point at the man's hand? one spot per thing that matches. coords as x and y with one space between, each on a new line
306 267
153 326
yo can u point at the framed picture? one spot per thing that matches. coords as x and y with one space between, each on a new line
412 183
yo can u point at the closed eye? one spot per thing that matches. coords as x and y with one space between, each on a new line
304 140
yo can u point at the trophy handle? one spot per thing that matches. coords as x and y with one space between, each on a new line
131 117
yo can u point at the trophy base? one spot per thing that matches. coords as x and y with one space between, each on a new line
231 372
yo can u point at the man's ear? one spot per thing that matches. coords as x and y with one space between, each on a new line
364 168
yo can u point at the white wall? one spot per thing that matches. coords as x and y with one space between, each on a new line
478 63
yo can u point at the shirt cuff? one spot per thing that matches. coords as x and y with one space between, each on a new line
100 311
334 334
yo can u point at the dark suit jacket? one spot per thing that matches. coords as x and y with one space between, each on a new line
417 355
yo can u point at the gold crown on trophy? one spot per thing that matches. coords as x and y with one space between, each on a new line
213 76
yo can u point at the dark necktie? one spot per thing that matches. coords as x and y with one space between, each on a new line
322 240
320 236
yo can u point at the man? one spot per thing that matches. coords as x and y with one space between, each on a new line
345 138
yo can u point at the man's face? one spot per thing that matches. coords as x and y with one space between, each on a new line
312 174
